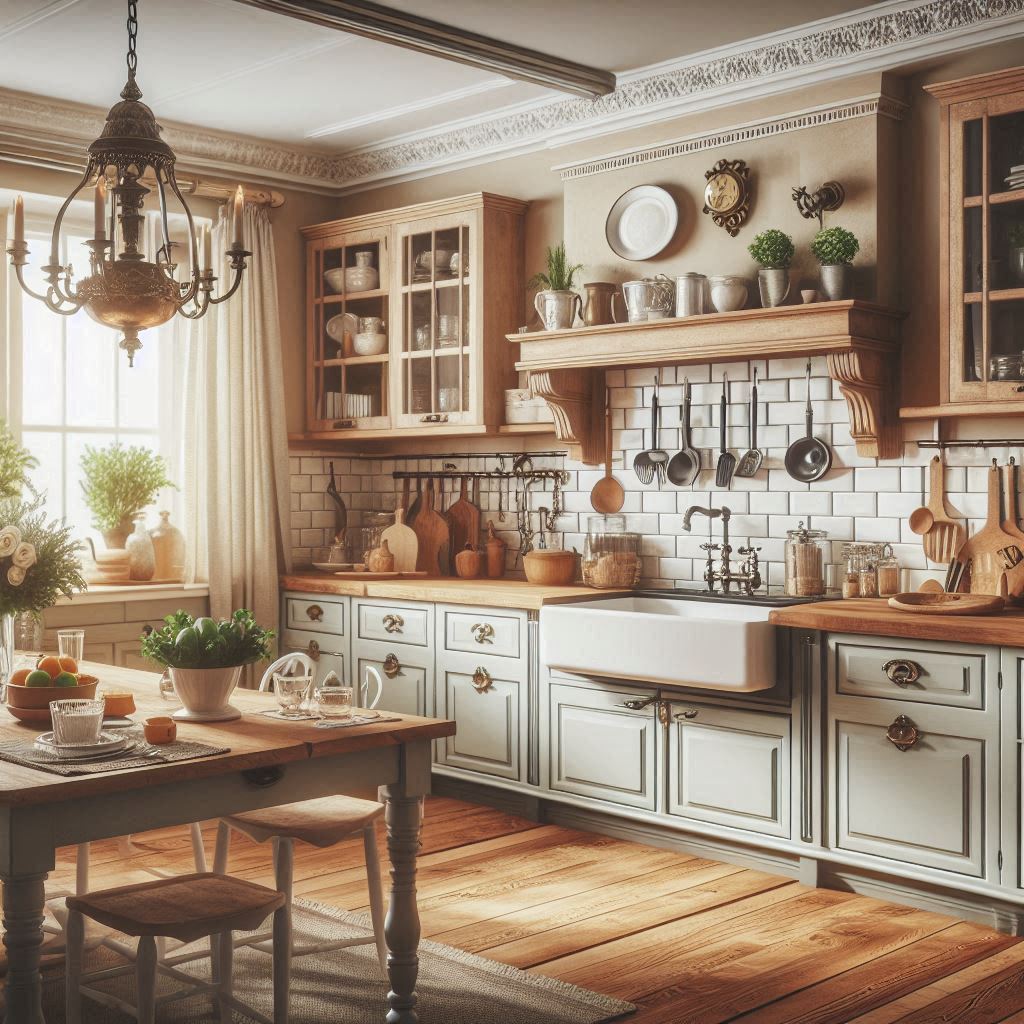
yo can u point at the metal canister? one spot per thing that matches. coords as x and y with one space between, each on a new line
690 291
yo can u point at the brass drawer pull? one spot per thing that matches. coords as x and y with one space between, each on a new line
393 623
902 671
902 734
483 632
688 715
315 612
313 650
392 666
435 417
482 680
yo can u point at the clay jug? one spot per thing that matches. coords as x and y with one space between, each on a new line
495 553
599 303
381 559
141 557
467 563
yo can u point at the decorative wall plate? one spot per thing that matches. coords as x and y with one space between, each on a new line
641 222
727 194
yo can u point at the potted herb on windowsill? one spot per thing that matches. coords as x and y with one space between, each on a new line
556 303
118 484
774 250
205 659
834 249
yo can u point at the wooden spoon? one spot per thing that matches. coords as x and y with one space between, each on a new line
607 495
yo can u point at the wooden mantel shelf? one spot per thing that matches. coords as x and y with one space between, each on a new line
859 339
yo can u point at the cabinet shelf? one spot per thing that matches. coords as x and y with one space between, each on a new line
337 298
354 360
452 350
995 198
442 282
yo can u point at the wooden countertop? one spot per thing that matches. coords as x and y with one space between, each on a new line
873 616
447 590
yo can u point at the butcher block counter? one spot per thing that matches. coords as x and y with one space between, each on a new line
447 590
874 617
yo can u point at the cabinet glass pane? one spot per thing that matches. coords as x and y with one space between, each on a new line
1006 242
972 157
1006 152
973 341
973 249
1006 326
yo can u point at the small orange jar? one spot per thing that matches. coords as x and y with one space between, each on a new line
160 730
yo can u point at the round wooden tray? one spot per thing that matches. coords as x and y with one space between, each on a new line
947 604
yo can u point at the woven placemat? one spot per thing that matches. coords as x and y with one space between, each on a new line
26 754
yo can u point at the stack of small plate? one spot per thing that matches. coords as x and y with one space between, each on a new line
1015 179
108 745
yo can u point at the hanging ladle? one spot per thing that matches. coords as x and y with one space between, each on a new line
808 459
685 464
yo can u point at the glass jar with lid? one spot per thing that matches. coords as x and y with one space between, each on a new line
806 556
611 554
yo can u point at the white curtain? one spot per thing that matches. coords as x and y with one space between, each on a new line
235 447
10 338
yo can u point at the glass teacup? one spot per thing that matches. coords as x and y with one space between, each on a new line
333 701
291 692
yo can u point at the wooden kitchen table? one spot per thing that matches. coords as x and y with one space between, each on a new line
270 762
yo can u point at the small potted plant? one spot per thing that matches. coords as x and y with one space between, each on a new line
556 303
774 250
834 249
118 484
205 660
1015 237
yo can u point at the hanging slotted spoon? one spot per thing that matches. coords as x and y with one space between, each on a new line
750 460
726 460
644 464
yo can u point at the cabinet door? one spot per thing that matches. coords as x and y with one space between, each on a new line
437 322
128 654
598 748
406 672
1012 840
731 767
935 803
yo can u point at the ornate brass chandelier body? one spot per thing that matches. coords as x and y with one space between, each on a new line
124 290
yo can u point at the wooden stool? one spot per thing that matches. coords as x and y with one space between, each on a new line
322 822
186 908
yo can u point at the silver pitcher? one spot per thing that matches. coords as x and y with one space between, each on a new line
650 298
557 309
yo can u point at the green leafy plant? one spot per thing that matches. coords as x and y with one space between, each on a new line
15 463
38 558
120 482
834 245
1015 235
772 248
561 275
185 642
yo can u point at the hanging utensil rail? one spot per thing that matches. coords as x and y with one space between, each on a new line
982 443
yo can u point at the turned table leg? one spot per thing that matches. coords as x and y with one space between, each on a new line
23 936
402 924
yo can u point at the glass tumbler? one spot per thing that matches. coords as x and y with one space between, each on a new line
291 692
333 701
71 644
76 722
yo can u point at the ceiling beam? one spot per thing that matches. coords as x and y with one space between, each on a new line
363 18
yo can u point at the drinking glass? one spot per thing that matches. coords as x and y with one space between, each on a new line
76 721
333 701
291 692
71 644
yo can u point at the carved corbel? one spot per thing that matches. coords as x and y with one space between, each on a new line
576 399
868 381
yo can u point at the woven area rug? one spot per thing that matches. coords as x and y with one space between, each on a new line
345 987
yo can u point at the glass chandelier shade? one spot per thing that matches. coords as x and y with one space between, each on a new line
123 288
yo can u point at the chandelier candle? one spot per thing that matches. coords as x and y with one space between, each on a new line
125 289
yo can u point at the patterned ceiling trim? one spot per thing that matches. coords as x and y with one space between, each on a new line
866 106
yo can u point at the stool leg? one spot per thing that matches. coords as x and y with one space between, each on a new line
145 975
282 962
376 895
198 850
82 869
74 938
220 854
225 965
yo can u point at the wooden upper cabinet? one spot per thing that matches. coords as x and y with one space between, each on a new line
449 287
983 239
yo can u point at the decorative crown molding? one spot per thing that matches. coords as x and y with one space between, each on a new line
883 35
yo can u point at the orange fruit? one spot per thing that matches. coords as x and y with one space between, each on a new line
53 665
19 677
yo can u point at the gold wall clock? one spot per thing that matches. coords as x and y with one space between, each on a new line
727 194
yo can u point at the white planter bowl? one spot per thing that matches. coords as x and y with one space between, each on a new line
369 344
204 693
728 293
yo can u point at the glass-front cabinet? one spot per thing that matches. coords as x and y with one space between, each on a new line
407 316
983 322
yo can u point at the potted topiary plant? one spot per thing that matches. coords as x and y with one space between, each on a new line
1015 236
834 249
118 484
556 303
773 249
205 659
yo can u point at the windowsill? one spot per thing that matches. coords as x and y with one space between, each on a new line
105 593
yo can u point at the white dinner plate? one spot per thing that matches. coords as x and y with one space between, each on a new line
641 223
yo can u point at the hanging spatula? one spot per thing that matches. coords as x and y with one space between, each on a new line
341 512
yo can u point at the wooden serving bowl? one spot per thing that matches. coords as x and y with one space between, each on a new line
32 703
550 568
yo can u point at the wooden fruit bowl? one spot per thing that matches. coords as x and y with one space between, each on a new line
32 703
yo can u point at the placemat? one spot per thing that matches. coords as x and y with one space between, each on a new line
330 723
25 753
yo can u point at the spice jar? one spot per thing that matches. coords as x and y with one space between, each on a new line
611 555
805 554
868 577
851 578
888 573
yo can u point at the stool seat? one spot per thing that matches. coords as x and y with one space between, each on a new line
321 822
187 907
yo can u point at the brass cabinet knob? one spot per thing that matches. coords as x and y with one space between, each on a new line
393 623
315 612
482 680
902 734
689 715
392 666
313 650
902 671
483 632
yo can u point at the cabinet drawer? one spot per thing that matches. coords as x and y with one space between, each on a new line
486 634
316 614
407 675
313 643
394 622
730 767
954 675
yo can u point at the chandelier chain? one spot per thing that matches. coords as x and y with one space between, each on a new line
133 32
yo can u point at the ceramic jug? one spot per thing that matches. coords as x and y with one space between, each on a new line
599 304
557 309
169 549
141 556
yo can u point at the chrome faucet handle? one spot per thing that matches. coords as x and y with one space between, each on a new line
708 546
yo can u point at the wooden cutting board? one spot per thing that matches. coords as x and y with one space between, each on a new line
432 537
403 542
413 510
463 525
985 565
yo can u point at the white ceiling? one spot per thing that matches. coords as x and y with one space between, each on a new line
222 65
